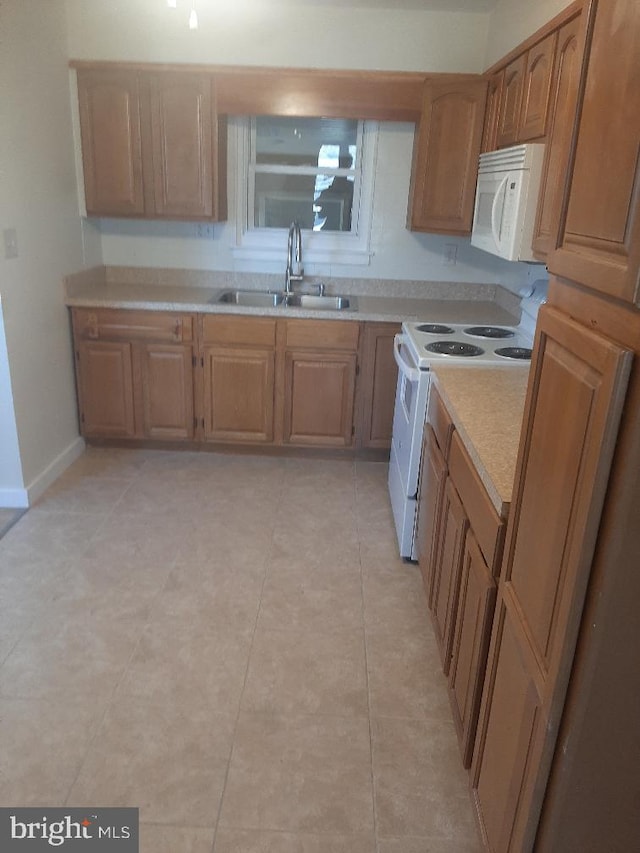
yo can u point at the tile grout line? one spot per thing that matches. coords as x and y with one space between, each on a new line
246 671
366 667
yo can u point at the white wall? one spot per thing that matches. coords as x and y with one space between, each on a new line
12 491
512 21
38 198
272 32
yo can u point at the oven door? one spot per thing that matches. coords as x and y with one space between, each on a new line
408 416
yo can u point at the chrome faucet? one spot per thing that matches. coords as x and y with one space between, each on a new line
295 272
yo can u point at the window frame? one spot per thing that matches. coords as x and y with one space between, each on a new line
319 247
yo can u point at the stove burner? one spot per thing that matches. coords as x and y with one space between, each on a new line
488 332
454 348
522 353
434 329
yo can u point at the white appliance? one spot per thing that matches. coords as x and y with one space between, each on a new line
506 201
416 349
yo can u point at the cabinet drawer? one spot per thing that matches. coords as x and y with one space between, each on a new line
242 331
321 334
124 325
441 423
483 519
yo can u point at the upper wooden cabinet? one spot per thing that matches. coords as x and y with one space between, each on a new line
523 86
598 242
492 112
563 106
510 102
109 104
525 94
536 87
152 144
445 158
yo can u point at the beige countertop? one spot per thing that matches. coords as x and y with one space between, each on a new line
487 405
203 300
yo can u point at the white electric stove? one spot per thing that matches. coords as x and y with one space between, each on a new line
419 347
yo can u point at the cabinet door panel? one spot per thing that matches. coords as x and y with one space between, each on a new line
536 89
492 112
319 392
445 165
511 102
378 381
565 464
433 476
565 94
181 132
105 386
446 578
507 740
166 378
599 235
238 404
109 104
473 632
575 399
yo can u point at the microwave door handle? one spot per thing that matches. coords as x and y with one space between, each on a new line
500 192
412 373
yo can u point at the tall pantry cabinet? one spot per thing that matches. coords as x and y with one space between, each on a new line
555 761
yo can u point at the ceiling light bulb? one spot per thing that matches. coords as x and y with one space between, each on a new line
193 20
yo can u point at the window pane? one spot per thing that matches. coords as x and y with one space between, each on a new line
280 199
306 141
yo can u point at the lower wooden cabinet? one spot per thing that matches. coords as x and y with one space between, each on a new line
433 475
378 380
105 387
476 603
134 374
319 389
232 379
238 394
448 566
166 398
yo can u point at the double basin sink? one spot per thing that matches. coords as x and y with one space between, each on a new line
267 299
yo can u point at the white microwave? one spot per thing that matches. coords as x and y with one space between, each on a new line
506 201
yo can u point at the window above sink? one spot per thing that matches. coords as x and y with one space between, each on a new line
317 171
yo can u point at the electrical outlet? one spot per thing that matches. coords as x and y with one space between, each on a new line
205 230
450 254
10 236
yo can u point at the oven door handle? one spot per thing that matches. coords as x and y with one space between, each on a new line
412 373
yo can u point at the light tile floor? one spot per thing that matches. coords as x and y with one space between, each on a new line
232 644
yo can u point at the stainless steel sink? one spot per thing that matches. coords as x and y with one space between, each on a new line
251 298
321 303
265 299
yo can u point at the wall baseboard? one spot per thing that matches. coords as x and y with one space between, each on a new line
41 483
14 498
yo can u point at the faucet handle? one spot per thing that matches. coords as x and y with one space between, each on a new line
321 288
